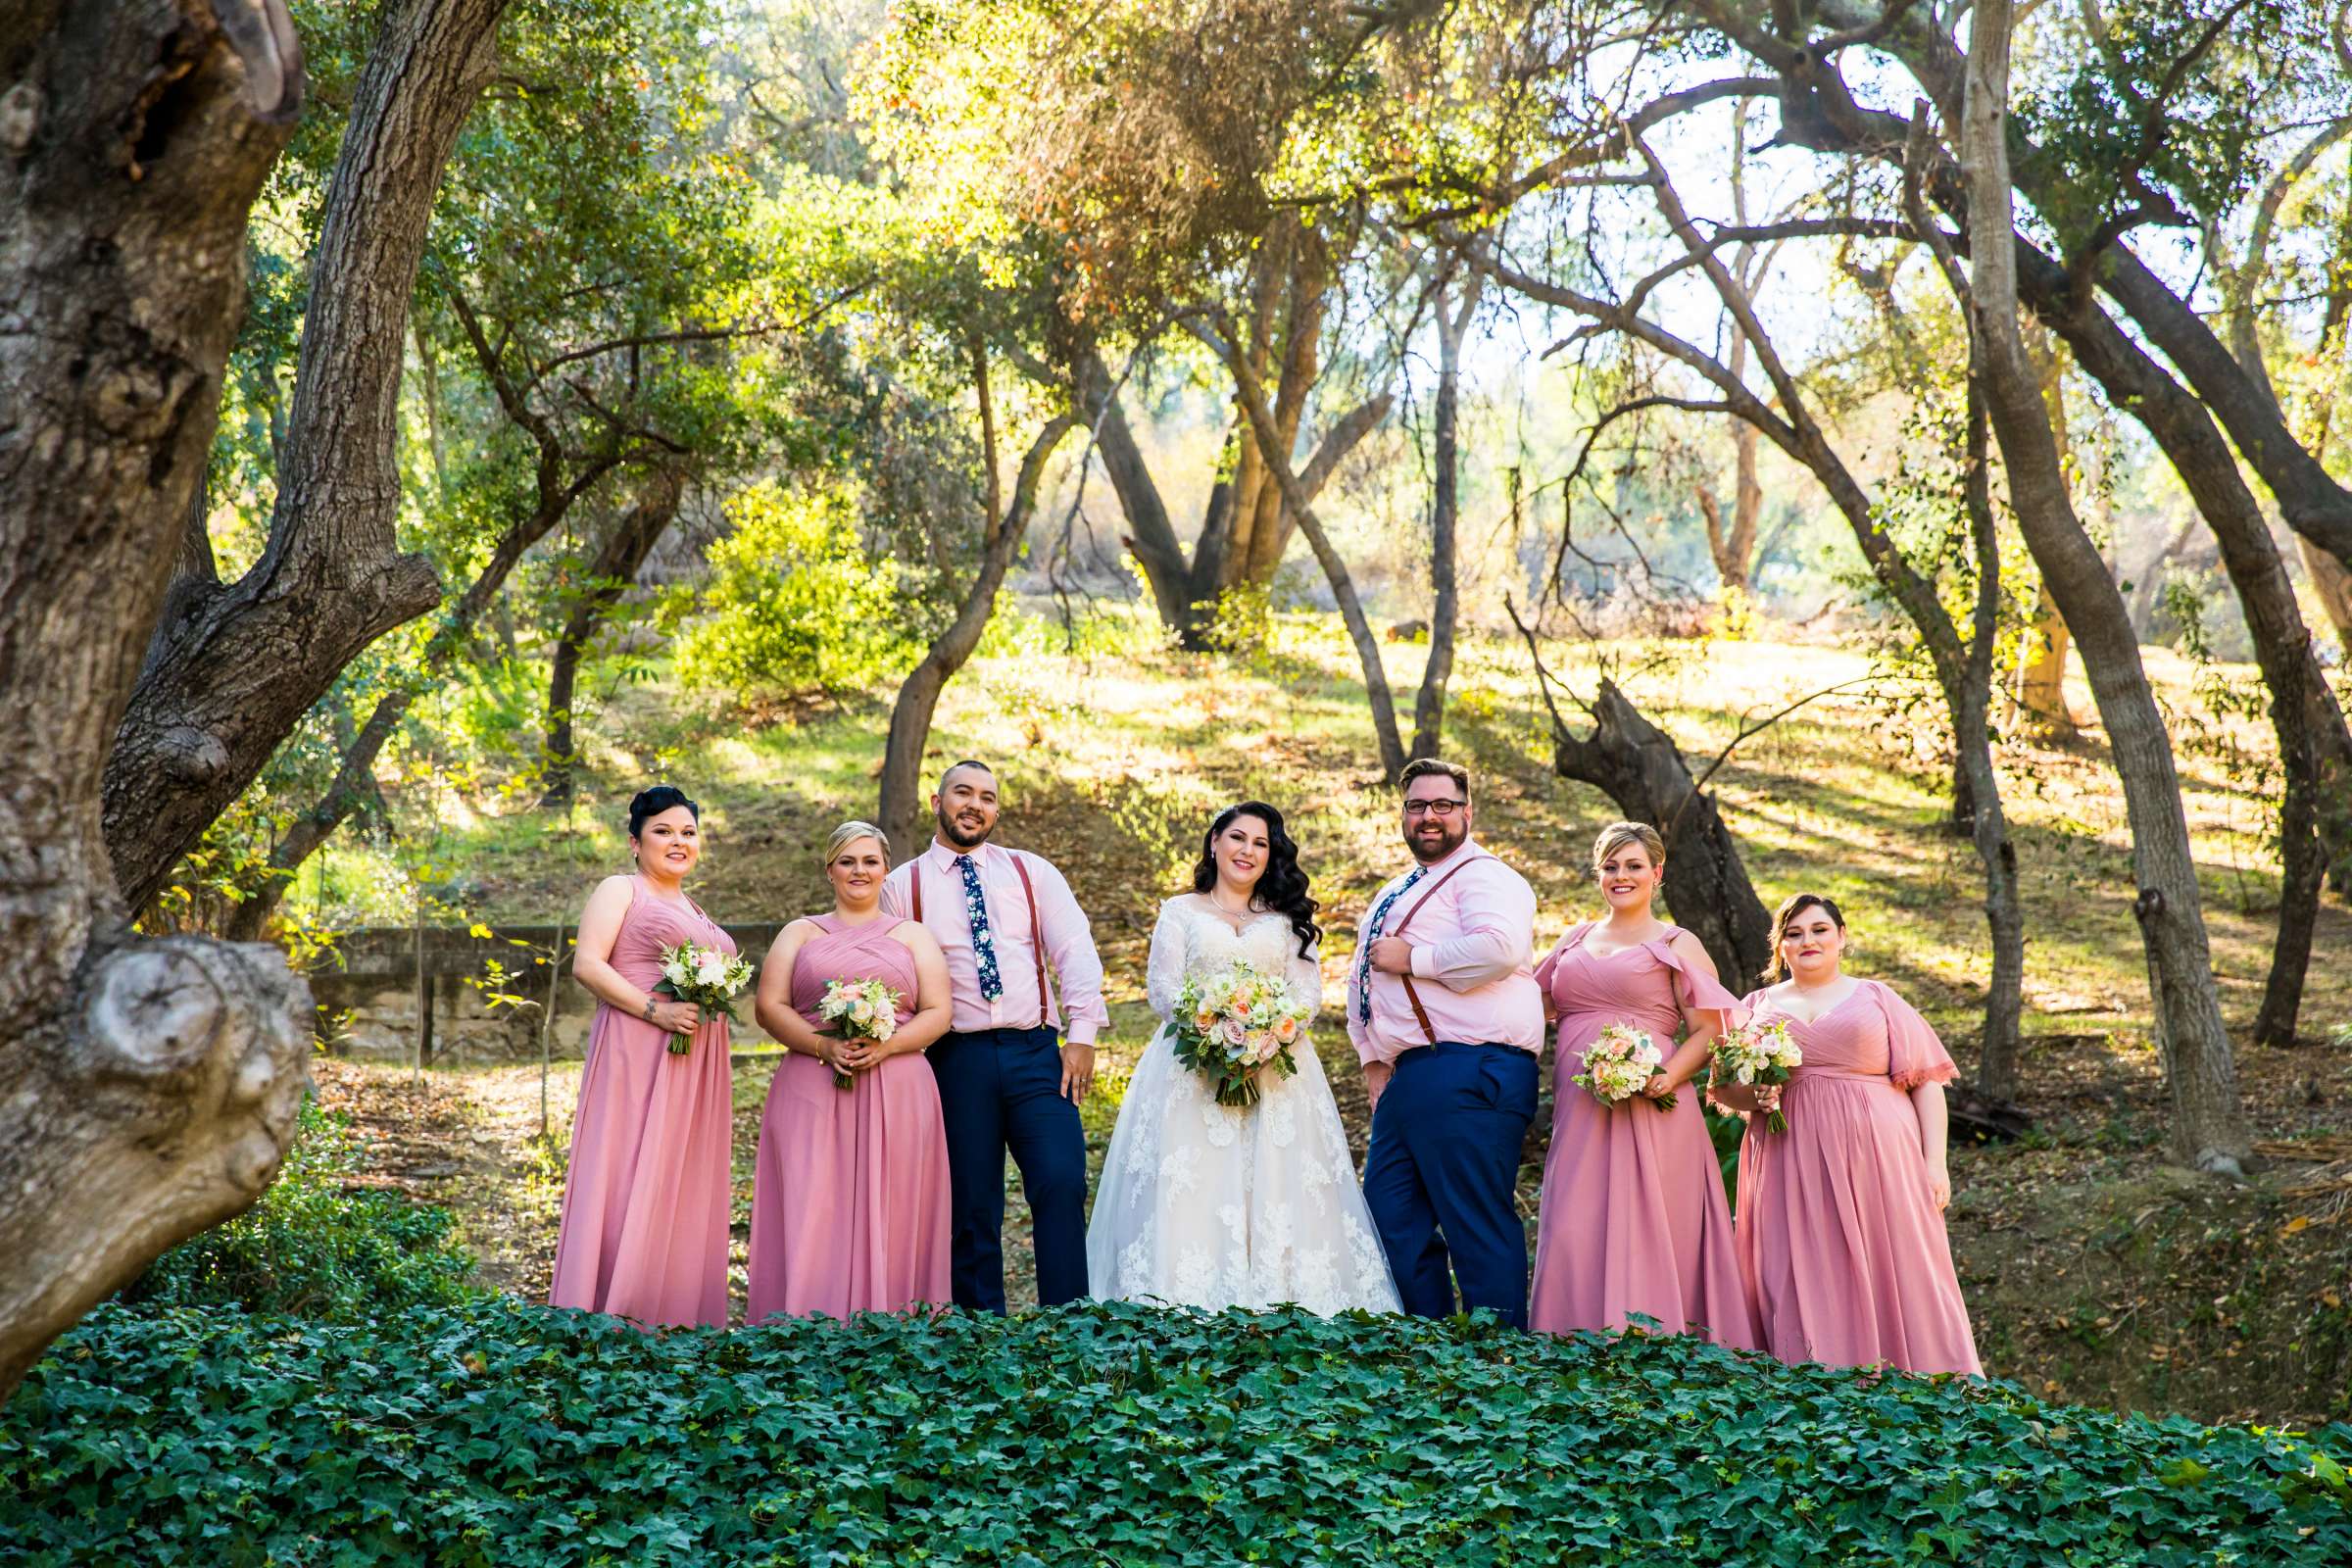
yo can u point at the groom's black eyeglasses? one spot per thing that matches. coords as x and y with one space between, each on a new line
1433 807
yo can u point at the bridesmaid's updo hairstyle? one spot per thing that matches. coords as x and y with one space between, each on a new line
1790 908
849 833
652 802
1617 835
1281 887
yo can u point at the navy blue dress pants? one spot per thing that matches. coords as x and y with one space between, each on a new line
998 1090
1441 1177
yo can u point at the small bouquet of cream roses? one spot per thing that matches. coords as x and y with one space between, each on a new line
1234 1024
1618 1064
709 978
1760 1052
859 1009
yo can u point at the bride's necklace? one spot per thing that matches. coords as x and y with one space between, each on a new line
1217 897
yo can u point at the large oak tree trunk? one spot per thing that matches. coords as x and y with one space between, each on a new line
2314 747
147 1088
1184 591
2209 1125
2333 585
2042 673
1301 505
1429 708
230 677
1637 766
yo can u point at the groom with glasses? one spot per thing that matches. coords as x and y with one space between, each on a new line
1007 1078
1443 1010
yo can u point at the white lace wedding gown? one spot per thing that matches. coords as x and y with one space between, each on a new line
1208 1206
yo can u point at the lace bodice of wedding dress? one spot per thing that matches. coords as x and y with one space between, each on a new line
1193 937
1208 1206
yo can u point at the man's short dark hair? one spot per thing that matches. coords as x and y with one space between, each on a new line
952 769
1424 766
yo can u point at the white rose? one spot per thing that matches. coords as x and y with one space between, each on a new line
676 970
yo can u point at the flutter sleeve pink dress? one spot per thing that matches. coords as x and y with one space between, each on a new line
850 1203
645 1201
1633 1213
1839 1235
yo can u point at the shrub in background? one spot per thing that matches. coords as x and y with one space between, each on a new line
315 1247
795 602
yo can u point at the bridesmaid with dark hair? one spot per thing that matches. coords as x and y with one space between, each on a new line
645 1203
1841 1227
850 1202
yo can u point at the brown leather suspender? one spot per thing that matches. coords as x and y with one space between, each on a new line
1036 928
1421 1014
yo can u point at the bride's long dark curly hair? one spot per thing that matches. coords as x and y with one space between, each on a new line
1281 886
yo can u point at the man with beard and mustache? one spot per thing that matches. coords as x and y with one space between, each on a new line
1008 1079
1447 1019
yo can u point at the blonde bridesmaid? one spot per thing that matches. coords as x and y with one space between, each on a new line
645 1201
1841 1227
1634 1218
850 1207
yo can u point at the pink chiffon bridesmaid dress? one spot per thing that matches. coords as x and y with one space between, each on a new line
1838 1231
1634 1217
644 1206
849 1207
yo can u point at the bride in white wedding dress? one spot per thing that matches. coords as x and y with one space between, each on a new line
1208 1206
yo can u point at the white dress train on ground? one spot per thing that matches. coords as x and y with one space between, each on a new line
1210 1206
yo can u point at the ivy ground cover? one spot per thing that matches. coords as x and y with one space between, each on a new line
499 1433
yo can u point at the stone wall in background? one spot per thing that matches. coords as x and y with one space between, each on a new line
366 993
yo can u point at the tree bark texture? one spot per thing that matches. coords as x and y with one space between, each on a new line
229 679
2315 745
2312 502
2334 585
147 1088
1637 766
2209 1125
1962 672
1455 308
1185 589
1300 505
900 807
2042 672
609 575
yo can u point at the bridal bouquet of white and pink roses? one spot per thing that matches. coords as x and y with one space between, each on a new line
706 977
1760 1052
1618 1064
859 1009
1234 1024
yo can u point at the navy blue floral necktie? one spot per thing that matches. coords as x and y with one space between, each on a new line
1380 918
984 945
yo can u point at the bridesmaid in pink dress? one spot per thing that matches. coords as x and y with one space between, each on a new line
1842 1216
645 1203
1633 1213
850 1210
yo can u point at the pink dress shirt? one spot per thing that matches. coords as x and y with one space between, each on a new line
1473 941
1069 941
